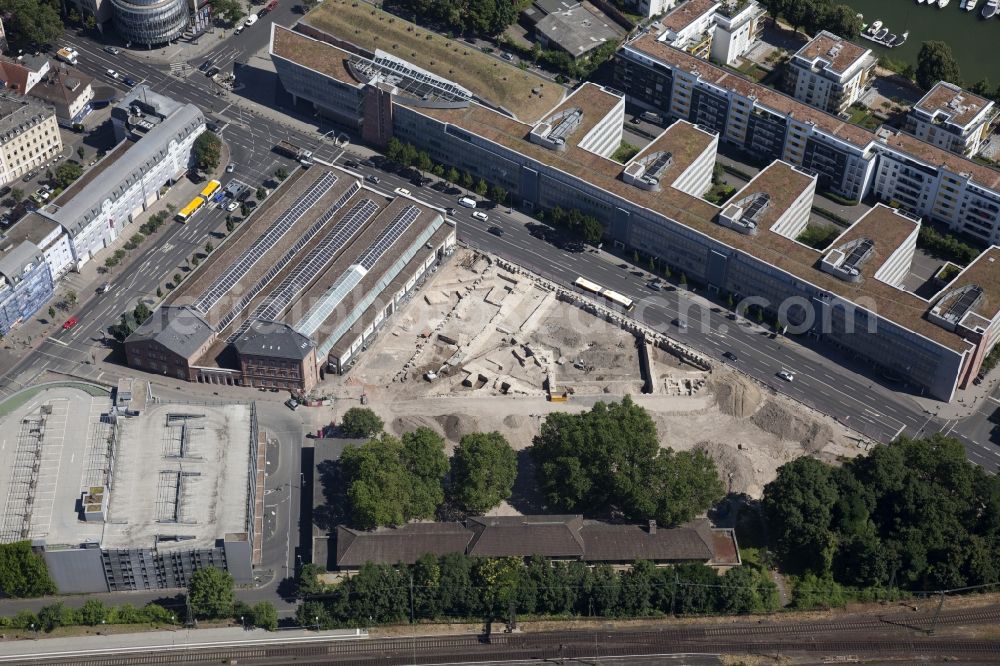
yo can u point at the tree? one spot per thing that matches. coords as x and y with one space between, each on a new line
176 279
424 162
281 173
229 10
52 313
261 193
71 298
210 593
93 612
22 572
264 615
17 194
424 458
360 422
844 22
244 209
230 225
209 247
207 150
799 12
141 312
379 488
452 176
67 172
935 62
80 152
31 23
483 470
798 506
481 187
90 22
684 485
159 292
500 195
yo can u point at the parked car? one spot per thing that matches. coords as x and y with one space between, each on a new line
232 205
402 191
351 164
70 323
292 404
655 286
230 167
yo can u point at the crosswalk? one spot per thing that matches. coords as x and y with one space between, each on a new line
179 67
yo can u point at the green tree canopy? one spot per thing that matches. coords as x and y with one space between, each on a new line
844 21
379 489
264 615
210 592
207 150
935 62
483 471
359 422
230 10
30 23
424 458
22 572
67 172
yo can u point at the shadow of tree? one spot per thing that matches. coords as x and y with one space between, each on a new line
525 496
334 510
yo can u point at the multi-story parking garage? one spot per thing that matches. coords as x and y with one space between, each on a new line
850 296
299 290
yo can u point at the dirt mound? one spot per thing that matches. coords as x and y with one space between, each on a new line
513 421
731 461
405 424
456 426
783 423
735 395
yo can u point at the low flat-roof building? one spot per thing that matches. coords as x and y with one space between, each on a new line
952 118
577 29
829 72
568 537
133 503
300 289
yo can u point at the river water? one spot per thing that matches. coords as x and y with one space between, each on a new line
974 41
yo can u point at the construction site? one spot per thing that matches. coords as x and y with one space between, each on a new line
485 346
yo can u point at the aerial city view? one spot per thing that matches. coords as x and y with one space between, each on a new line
474 331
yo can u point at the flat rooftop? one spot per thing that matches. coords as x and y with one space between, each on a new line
321 56
579 29
783 183
886 227
687 13
595 103
780 181
960 107
839 54
937 157
32 228
520 92
90 174
984 273
181 476
685 143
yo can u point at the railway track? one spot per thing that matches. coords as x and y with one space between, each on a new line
866 636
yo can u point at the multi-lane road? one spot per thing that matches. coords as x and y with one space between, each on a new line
856 398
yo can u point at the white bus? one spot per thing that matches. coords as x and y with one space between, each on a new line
624 302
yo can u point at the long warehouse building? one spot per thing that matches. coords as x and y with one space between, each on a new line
299 290
851 295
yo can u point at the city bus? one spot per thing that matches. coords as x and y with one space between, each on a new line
193 207
624 302
210 189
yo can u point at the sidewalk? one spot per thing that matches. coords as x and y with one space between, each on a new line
72 647
966 402
181 51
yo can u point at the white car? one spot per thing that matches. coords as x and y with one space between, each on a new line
251 20
112 74
232 205
402 191
468 202
480 215
786 375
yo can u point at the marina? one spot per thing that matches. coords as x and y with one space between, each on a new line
972 37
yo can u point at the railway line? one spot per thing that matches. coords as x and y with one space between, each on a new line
889 635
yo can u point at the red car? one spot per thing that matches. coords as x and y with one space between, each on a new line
70 323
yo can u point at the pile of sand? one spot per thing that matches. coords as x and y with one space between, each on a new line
785 424
731 461
735 395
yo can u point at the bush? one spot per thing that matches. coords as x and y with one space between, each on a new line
22 572
945 246
818 237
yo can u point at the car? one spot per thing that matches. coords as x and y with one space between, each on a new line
786 375
622 265
112 50
70 323
681 324
373 179
130 82
480 215
212 71
730 356
112 74
468 202
103 289
496 231
292 404
44 194
203 67
251 20
655 286
28 176
92 163
450 211
402 191
351 164
508 57
230 167
264 12
232 205
238 30
368 163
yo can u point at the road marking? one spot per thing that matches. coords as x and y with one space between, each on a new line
57 341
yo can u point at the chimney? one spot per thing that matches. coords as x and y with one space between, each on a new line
652 526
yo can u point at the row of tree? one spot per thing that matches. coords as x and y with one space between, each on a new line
484 18
914 514
945 246
587 227
408 155
30 24
609 460
457 586
390 481
816 15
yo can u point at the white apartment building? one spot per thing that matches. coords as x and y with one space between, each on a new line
29 136
722 30
829 73
96 209
952 118
738 24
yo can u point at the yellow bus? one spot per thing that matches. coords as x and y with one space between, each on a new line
185 213
210 189
614 297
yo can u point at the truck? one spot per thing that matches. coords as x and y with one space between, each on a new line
289 149
68 55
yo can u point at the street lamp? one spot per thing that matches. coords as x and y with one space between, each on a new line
317 622
243 623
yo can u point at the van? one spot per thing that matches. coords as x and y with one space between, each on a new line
468 202
250 20
651 117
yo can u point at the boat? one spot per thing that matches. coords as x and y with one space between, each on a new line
880 35
942 4
902 38
970 5
920 2
990 10
874 27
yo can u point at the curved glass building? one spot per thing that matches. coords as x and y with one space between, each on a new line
150 22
